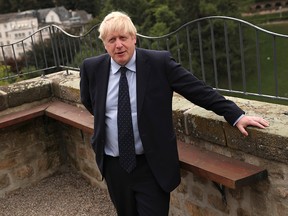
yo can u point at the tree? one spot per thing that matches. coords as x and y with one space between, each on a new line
5 6
93 6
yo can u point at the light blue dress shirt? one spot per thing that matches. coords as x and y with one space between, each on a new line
111 146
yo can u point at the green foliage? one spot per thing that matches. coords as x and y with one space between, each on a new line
219 7
3 70
52 53
93 7
267 59
267 18
160 17
207 8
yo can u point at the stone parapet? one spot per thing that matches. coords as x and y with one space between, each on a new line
18 96
195 123
35 149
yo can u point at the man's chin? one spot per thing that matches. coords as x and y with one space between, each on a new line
120 61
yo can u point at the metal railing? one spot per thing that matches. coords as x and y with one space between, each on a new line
230 54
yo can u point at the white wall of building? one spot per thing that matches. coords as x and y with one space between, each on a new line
16 29
52 17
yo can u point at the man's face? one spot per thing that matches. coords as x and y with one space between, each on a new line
120 46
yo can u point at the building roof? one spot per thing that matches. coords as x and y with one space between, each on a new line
65 16
61 11
7 17
85 17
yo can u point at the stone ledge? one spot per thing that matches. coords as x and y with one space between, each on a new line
3 100
193 122
218 168
27 91
60 85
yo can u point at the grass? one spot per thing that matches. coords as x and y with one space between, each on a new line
267 18
268 58
271 75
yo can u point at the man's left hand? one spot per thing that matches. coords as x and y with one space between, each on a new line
246 121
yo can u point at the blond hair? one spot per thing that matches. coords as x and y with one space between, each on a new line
116 21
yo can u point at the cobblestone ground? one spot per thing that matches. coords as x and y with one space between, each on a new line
62 194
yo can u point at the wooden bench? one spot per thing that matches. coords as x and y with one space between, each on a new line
71 115
219 168
222 170
22 116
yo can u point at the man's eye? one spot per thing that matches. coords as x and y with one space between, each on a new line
112 40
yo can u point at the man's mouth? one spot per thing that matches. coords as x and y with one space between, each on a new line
120 53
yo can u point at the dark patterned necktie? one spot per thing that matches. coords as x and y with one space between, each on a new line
125 129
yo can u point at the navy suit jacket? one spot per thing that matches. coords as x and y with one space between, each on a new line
157 77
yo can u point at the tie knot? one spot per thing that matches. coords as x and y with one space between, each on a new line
123 70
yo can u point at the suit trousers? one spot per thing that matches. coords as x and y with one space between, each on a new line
136 193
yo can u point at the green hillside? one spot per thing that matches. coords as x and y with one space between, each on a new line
271 75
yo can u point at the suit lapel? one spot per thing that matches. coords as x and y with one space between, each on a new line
142 76
102 84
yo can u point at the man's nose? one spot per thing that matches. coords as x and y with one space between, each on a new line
118 43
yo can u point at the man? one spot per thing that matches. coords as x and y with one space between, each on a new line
144 187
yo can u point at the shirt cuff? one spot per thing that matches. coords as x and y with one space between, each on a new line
238 119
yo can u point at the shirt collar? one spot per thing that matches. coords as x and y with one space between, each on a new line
131 65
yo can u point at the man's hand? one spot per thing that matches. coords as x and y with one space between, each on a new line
246 121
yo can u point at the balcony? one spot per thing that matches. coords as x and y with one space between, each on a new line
39 138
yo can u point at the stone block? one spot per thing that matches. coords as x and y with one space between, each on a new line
90 155
237 194
28 91
259 203
66 86
283 192
174 201
197 193
24 172
182 188
180 106
3 100
282 209
4 181
205 125
81 153
197 210
53 160
5 144
217 203
42 166
194 121
242 212
92 172
8 163
69 93
261 143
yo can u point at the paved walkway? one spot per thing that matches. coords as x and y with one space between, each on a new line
62 194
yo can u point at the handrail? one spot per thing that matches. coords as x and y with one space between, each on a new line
230 54
214 17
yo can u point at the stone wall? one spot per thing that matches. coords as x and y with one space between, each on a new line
29 152
35 149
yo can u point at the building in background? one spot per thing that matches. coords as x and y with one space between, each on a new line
15 27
